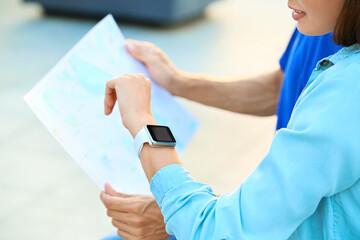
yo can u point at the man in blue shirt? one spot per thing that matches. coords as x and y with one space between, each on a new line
268 94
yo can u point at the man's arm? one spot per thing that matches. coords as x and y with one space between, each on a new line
255 96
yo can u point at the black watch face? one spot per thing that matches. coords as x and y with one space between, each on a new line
161 133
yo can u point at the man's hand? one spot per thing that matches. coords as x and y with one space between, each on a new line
160 69
135 216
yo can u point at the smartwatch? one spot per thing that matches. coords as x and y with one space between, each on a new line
156 136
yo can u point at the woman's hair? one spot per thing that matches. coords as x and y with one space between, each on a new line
347 28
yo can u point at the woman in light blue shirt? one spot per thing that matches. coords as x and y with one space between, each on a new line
307 187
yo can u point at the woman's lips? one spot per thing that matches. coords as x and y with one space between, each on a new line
297 15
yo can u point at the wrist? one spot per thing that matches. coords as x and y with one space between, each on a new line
140 123
178 83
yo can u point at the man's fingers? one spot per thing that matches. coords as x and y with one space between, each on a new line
109 190
133 232
123 217
110 96
103 197
141 51
129 218
118 203
119 216
131 47
125 235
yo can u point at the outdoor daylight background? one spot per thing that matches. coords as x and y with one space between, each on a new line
43 192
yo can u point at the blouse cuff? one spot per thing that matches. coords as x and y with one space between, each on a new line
167 178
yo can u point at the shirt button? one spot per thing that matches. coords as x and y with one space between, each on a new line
324 63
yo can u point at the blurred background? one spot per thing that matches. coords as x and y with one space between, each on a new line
43 193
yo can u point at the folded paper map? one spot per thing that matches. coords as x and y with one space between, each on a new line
69 101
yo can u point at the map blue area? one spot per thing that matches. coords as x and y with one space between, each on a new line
91 78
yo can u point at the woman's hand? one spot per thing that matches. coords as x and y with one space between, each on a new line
135 216
160 69
133 93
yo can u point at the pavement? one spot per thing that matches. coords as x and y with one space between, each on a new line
43 193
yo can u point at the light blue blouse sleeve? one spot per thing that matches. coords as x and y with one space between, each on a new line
318 155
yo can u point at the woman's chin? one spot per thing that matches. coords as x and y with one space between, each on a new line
311 30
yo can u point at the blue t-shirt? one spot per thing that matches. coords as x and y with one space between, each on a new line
298 62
